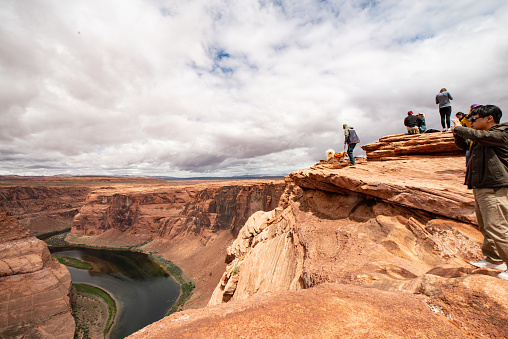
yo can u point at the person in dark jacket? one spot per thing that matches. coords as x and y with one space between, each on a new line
411 123
487 175
351 139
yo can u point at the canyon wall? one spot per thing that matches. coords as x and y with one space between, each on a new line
42 209
48 204
404 226
154 212
410 216
34 287
189 224
379 249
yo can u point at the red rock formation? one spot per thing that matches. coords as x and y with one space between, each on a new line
404 146
402 226
190 224
152 212
42 209
327 311
47 204
375 250
34 288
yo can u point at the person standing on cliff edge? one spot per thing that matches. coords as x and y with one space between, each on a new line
445 108
487 175
351 139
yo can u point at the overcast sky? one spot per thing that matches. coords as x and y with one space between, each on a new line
231 87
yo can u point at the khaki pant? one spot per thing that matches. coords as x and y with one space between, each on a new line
413 130
491 207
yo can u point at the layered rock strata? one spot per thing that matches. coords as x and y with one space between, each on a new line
190 224
48 204
42 209
404 146
34 287
151 212
402 226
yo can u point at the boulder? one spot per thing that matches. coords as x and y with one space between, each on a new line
34 287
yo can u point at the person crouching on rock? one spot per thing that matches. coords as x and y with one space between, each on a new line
351 139
411 123
487 175
422 126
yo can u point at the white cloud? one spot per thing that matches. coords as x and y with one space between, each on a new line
220 87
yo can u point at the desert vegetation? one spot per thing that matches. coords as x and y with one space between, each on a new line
73 262
87 311
187 286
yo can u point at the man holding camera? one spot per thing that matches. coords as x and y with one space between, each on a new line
487 175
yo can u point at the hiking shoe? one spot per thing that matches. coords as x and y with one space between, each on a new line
503 275
485 263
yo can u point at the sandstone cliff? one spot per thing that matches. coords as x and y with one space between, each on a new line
188 223
379 249
42 209
374 250
34 288
48 204
168 211
404 226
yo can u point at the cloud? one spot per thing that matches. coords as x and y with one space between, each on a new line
218 87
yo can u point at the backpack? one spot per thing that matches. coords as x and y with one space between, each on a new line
353 137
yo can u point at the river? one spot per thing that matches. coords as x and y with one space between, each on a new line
143 290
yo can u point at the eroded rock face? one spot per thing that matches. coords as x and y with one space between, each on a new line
48 204
174 211
256 268
404 146
42 209
400 226
34 287
190 224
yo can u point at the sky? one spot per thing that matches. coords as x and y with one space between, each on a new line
231 87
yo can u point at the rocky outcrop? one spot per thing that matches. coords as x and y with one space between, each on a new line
379 249
405 146
34 288
327 311
402 226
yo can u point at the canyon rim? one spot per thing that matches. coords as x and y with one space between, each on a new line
380 249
